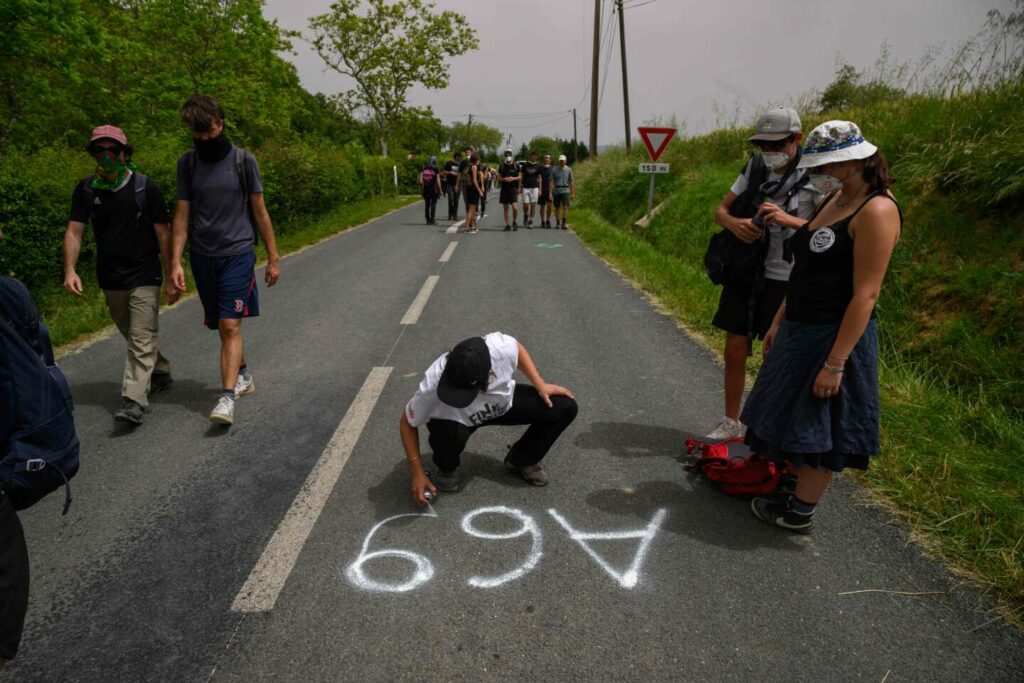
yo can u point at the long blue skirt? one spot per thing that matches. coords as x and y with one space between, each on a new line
784 419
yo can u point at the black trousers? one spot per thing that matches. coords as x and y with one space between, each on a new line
448 438
13 579
453 202
430 207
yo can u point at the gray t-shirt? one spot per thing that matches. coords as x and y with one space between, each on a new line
219 215
560 179
802 205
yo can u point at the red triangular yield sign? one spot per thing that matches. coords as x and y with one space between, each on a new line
656 140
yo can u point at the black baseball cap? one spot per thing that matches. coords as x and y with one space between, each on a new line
466 372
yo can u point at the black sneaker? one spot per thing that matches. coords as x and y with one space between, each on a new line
508 228
780 513
446 481
514 225
129 412
160 381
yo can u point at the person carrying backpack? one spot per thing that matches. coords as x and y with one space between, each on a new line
38 445
815 403
133 236
430 181
755 283
220 210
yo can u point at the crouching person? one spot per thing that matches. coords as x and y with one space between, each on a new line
473 387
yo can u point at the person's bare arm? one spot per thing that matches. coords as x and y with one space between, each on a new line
72 248
546 391
266 230
164 238
179 235
411 443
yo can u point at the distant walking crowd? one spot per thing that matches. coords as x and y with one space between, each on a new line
552 188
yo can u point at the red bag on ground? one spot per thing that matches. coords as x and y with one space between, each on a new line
732 466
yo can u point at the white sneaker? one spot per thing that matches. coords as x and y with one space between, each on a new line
244 385
224 412
726 429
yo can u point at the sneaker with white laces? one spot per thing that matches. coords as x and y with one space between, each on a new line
224 412
728 428
244 385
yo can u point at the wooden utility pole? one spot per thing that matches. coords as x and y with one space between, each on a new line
575 140
625 81
593 78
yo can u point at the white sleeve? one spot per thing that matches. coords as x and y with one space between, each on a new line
507 348
739 185
421 406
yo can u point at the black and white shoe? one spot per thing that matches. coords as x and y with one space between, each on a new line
779 512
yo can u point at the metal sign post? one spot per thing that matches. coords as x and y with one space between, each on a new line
655 140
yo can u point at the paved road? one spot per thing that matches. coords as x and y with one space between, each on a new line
162 570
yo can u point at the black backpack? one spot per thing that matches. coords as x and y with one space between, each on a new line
243 183
41 453
728 259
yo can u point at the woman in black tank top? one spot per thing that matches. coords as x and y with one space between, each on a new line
815 403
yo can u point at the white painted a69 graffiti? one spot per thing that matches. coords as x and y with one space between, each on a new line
422 569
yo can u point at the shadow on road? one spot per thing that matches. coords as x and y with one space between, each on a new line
696 507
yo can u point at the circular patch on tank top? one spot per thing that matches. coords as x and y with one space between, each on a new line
822 240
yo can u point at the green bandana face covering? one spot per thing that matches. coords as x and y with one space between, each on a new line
110 170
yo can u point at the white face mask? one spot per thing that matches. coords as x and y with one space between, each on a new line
775 160
825 183
508 160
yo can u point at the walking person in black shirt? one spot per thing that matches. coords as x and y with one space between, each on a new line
511 180
450 174
469 183
545 190
129 219
531 172
815 403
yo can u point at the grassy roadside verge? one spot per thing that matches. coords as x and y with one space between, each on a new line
71 319
959 494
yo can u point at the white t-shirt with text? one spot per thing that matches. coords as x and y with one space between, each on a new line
488 405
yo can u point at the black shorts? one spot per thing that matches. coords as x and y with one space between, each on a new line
732 307
509 191
471 195
543 198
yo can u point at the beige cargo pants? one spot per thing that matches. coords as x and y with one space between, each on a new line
136 314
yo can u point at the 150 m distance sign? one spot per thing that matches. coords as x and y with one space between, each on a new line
653 168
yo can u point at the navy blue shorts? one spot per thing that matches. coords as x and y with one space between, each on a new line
227 287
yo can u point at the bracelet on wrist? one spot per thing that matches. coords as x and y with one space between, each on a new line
835 370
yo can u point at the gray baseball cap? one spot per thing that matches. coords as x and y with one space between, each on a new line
777 124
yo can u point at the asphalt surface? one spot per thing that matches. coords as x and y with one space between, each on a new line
137 583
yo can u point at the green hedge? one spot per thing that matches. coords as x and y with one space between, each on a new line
301 180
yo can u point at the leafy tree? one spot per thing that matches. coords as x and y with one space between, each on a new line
387 51
545 145
479 136
420 132
41 45
852 89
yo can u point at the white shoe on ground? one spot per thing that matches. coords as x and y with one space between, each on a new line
728 428
244 385
224 412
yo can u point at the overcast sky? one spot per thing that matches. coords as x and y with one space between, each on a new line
696 60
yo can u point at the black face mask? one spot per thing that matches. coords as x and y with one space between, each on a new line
214 149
